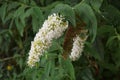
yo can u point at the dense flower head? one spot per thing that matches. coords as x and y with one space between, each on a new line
52 28
77 49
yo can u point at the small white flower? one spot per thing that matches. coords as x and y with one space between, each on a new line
52 28
77 48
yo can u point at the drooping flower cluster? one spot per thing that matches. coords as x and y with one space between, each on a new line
77 48
52 28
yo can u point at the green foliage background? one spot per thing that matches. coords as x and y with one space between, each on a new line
21 19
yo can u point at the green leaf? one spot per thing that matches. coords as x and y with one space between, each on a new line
110 40
105 29
10 10
47 9
96 4
66 11
48 68
28 12
68 67
19 19
86 13
92 51
108 66
19 11
55 47
86 74
37 18
3 9
42 2
18 39
1 75
20 26
112 15
9 16
12 6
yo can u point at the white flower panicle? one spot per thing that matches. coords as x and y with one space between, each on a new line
77 48
52 28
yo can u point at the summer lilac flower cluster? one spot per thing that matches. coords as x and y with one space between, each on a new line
77 48
52 28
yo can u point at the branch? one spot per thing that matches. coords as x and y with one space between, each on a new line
8 58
